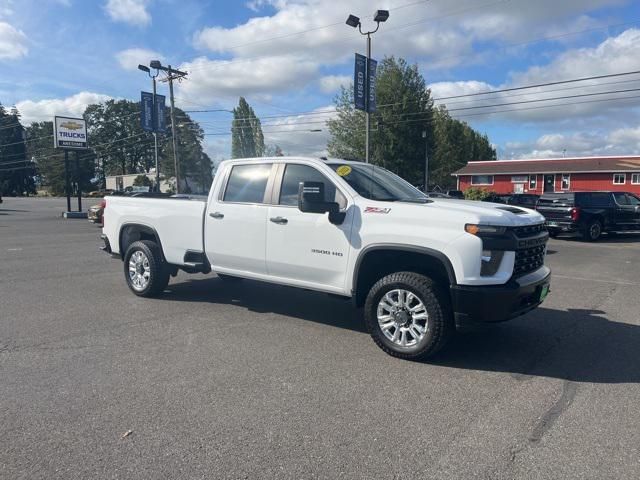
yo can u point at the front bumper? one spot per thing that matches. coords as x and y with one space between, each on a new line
561 226
473 305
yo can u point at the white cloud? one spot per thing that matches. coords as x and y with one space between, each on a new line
332 83
133 12
298 135
212 79
623 141
614 55
13 42
130 59
75 105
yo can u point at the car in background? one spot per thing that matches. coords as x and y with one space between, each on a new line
589 214
96 212
99 193
456 194
526 200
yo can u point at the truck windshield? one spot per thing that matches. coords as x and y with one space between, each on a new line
376 183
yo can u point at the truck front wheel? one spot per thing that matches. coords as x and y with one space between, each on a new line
144 269
408 315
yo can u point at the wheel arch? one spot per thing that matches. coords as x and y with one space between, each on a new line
376 261
132 232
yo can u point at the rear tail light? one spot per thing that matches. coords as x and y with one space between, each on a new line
575 214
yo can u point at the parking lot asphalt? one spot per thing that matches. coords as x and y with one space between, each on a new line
218 380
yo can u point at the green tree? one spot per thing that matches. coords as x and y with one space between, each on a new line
17 172
247 139
405 128
405 112
142 181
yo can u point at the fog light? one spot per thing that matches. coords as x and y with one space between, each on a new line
491 261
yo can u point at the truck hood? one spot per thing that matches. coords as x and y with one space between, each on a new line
487 213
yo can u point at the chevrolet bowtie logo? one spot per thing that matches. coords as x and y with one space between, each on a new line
71 125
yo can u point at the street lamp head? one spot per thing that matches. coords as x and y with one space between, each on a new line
381 16
155 64
144 68
353 21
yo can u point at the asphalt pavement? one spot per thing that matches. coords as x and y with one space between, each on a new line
219 380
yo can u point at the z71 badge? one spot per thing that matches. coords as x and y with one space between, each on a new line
376 210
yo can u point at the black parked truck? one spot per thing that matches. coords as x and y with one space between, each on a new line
590 213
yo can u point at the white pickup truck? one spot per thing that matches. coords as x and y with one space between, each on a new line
420 267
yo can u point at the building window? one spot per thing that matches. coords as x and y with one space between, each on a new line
519 179
619 178
566 181
635 178
533 182
482 180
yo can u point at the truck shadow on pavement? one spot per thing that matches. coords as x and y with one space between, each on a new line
576 345
268 298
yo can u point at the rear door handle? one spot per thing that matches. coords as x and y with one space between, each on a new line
216 215
279 220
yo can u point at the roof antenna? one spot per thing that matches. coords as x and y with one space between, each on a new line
564 152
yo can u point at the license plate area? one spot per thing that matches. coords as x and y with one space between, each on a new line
544 291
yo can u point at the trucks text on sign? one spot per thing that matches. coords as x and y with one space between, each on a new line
70 133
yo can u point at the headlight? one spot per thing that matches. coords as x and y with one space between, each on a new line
474 229
491 261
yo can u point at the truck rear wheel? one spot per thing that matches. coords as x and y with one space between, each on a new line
592 231
144 269
408 316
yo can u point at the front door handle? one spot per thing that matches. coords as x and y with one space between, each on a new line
279 220
216 215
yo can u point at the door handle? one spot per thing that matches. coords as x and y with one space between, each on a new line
279 220
216 215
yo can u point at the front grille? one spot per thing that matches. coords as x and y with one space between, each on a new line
529 230
529 259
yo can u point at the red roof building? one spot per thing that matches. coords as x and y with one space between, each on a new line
553 175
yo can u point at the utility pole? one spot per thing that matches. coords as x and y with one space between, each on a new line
426 161
172 75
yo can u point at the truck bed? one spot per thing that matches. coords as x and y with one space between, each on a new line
178 222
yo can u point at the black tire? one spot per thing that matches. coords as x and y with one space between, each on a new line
553 233
439 325
593 231
158 270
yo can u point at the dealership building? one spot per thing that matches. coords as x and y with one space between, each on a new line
552 175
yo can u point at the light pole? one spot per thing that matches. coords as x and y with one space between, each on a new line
154 112
379 17
426 161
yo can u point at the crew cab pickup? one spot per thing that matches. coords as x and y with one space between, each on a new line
590 213
420 267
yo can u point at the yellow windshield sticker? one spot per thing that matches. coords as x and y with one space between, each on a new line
343 170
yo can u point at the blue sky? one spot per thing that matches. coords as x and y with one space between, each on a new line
58 55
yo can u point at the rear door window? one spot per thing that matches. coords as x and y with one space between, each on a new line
247 183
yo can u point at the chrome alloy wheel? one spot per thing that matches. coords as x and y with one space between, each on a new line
139 270
402 317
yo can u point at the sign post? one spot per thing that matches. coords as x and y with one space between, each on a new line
71 134
364 89
152 117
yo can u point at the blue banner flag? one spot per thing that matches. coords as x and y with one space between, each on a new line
371 85
161 122
146 111
360 81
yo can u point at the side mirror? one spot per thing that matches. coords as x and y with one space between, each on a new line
311 200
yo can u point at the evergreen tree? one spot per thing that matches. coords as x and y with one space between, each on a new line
17 173
247 139
405 111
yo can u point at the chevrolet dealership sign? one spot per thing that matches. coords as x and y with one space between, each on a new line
70 133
